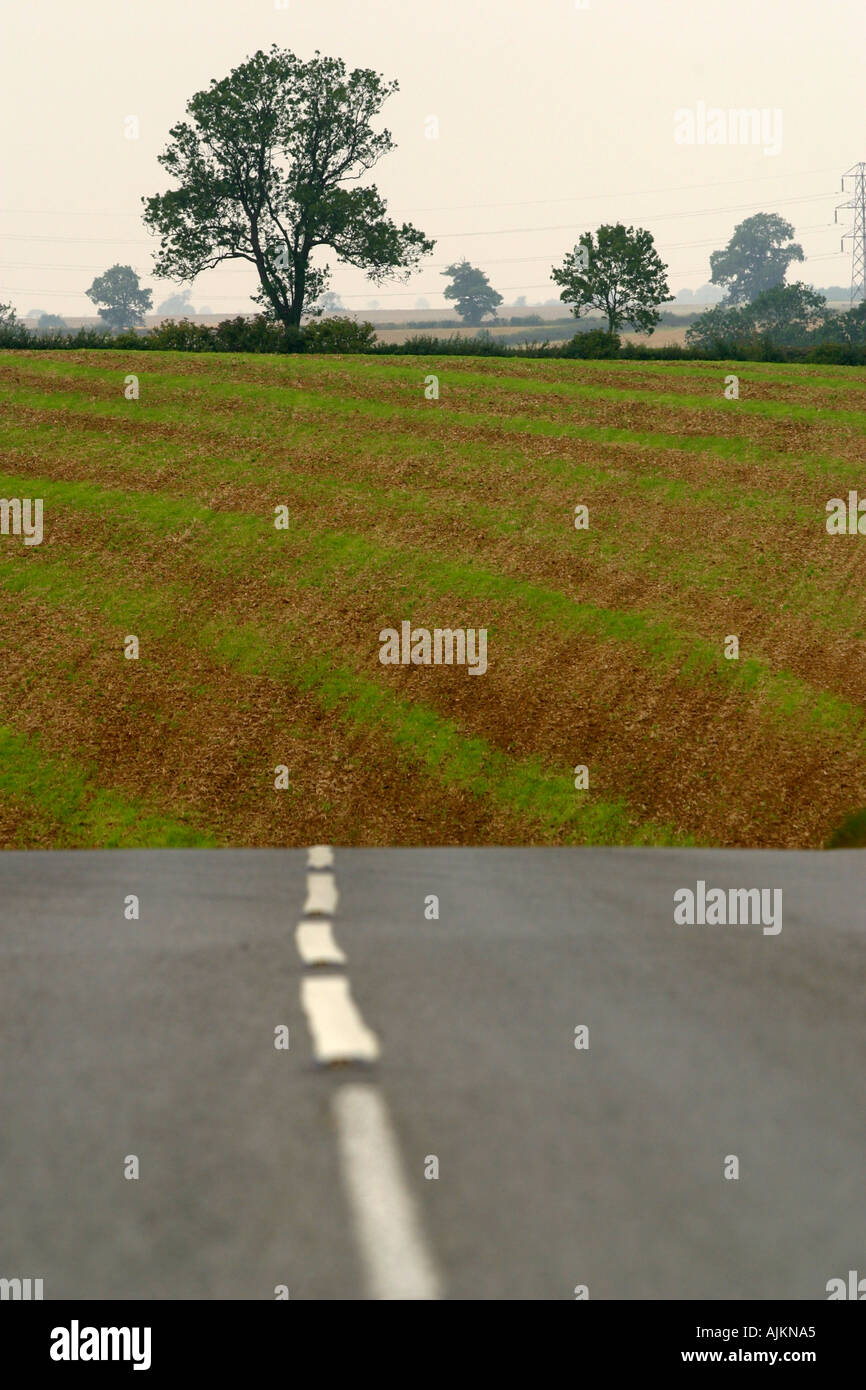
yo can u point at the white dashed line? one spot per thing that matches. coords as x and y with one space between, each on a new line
316 944
322 895
338 1030
396 1260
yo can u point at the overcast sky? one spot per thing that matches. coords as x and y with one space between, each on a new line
551 119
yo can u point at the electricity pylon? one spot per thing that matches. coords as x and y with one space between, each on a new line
858 233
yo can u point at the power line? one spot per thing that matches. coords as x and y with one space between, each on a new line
443 236
467 207
228 269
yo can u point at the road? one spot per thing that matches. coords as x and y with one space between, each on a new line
559 1167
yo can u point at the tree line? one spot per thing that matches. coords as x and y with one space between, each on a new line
266 168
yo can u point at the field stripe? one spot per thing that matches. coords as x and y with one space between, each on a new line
350 411
81 813
567 390
657 639
521 787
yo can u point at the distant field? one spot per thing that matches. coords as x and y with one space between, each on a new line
662 337
259 647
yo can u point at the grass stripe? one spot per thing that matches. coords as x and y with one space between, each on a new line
229 541
520 786
317 405
82 814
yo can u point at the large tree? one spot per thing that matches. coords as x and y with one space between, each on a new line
472 291
619 272
756 258
263 165
124 301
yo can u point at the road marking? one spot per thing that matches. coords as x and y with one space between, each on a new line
316 944
320 857
322 895
396 1260
338 1030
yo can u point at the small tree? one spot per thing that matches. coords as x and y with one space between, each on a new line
756 258
124 300
8 316
619 272
472 291
50 323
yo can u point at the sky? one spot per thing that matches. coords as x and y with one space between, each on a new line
518 124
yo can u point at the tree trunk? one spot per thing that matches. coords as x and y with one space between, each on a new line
300 286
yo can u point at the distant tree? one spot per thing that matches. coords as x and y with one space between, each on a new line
709 294
472 292
786 315
852 324
422 303
329 303
122 296
685 296
177 304
205 309
263 166
520 302
619 272
835 292
34 313
50 323
756 258
720 325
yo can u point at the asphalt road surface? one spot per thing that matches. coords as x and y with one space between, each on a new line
444 1045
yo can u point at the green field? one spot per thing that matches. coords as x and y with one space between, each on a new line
259 647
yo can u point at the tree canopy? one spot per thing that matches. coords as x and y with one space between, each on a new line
267 168
619 272
787 315
472 292
756 258
119 292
